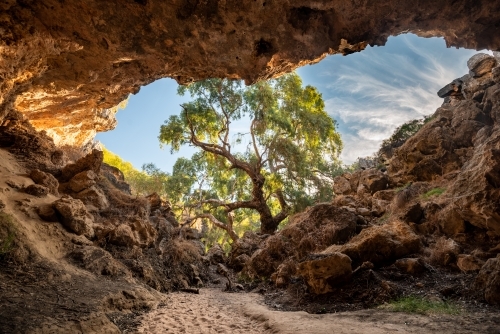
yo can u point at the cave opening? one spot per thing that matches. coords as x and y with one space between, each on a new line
369 94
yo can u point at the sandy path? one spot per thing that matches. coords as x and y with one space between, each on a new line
213 311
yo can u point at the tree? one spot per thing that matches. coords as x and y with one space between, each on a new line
151 179
280 165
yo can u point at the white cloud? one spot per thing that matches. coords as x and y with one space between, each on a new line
375 92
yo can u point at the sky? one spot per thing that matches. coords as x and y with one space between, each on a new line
369 94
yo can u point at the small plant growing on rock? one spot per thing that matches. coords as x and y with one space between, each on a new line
433 193
7 234
417 304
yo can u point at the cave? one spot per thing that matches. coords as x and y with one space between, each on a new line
79 253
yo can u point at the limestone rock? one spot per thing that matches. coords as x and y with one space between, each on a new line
488 280
240 262
245 245
480 64
410 266
47 213
374 180
93 196
381 244
216 255
341 185
154 201
469 263
82 181
135 232
325 272
98 261
37 190
45 179
122 236
450 221
91 162
413 213
116 177
74 216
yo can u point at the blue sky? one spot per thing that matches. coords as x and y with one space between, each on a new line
369 94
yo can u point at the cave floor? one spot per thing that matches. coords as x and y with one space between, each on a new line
213 311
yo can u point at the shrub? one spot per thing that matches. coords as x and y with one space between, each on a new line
401 135
182 251
416 304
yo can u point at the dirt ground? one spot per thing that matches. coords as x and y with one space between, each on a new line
213 311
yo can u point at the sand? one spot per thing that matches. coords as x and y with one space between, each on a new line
214 311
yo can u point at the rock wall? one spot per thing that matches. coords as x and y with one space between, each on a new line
65 64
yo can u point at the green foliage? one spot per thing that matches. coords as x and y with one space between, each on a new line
7 234
416 304
291 143
151 179
403 187
401 135
433 192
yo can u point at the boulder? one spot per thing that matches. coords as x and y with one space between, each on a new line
135 232
341 185
47 213
74 216
413 213
154 201
379 207
450 222
91 162
410 266
245 245
381 244
374 180
82 181
481 64
98 261
122 236
488 280
239 262
116 177
283 274
385 195
93 196
452 89
325 271
45 179
469 263
36 190
216 255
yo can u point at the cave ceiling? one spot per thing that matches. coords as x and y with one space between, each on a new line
64 64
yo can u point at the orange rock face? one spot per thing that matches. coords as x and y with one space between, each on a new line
66 64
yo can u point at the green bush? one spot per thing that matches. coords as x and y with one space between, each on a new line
401 135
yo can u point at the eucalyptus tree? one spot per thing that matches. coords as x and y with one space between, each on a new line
282 162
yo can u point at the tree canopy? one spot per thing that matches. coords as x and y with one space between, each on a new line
282 161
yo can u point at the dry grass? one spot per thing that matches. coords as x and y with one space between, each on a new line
182 251
121 203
